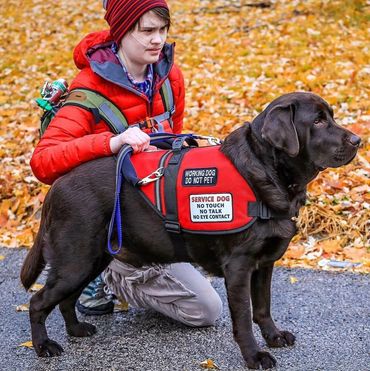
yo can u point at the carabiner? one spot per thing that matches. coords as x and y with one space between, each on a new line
155 175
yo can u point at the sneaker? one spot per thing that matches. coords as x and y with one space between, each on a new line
95 299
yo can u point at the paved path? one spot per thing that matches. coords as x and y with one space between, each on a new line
328 312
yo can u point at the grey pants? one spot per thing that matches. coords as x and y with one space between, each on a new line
176 290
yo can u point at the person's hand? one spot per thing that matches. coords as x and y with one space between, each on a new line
151 148
136 138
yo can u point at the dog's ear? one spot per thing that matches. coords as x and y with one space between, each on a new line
279 130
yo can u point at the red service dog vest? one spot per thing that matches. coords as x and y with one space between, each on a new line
210 195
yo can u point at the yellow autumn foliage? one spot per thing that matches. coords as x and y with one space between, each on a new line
236 57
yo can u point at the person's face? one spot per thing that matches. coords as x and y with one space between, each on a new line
143 45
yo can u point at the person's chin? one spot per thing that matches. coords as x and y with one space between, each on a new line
152 59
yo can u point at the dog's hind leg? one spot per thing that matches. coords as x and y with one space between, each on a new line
41 304
261 301
63 287
67 308
73 325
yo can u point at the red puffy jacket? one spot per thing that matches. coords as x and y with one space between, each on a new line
73 137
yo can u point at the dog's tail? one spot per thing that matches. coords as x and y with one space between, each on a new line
34 262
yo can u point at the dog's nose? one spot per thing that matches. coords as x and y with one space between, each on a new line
355 140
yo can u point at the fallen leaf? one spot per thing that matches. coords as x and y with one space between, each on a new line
330 246
36 287
314 254
122 306
295 251
27 344
293 279
2 257
22 308
208 363
354 253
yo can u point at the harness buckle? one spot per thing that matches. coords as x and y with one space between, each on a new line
149 123
154 176
213 141
264 211
152 124
173 227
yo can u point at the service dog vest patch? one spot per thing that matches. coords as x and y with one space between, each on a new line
200 192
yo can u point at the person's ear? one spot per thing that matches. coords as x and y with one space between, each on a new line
279 130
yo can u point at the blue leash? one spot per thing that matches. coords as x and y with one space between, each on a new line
116 220
124 168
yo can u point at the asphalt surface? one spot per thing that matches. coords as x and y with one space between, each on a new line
328 313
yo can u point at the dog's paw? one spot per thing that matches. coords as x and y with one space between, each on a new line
82 329
282 339
261 359
48 348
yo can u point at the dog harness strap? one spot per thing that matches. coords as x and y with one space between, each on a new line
157 186
172 224
262 211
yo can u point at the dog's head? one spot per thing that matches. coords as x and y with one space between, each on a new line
302 125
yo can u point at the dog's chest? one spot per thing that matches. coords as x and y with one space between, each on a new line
200 190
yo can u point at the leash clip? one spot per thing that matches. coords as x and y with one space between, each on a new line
155 175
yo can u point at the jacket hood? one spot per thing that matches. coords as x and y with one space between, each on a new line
95 51
89 41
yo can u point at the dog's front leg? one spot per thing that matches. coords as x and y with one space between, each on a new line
261 300
238 273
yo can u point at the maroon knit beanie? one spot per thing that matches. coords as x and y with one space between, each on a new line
122 14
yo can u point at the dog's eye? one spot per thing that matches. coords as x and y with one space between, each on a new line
319 122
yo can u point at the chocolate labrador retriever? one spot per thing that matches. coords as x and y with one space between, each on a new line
283 149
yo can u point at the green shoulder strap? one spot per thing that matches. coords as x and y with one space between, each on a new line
45 121
167 99
100 106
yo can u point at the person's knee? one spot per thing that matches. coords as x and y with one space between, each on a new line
206 310
212 309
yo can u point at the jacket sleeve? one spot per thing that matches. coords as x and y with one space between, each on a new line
68 142
178 88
